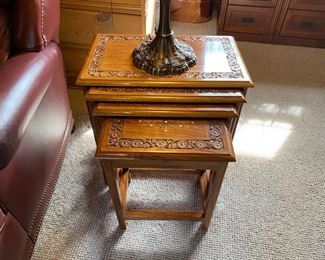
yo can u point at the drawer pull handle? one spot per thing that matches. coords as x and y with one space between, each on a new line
307 24
248 20
103 17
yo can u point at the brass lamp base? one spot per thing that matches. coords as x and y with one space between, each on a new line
164 55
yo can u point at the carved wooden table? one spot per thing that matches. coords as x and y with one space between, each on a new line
145 121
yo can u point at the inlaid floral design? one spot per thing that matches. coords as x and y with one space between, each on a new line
94 68
213 143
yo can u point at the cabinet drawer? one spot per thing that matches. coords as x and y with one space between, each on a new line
129 2
266 3
304 24
126 23
81 26
245 19
316 5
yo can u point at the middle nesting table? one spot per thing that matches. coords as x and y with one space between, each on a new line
165 103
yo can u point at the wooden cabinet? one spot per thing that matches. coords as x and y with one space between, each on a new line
249 19
297 22
302 22
267 3
81 20
313 5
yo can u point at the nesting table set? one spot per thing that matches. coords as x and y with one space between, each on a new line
184 121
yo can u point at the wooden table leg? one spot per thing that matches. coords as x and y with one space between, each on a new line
95 125
113 184
216 178
123 185
204 181
103 172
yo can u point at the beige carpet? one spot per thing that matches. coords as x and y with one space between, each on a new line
272 202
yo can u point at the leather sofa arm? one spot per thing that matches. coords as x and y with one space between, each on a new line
24 80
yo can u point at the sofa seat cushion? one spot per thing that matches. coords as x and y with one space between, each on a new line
14 241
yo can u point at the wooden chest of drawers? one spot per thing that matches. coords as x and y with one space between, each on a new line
298 22
81 20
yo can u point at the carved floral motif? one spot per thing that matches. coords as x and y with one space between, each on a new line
94 68
168 90
168 105
164 124
214 143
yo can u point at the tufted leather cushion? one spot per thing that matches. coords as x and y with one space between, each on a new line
4 35
35 23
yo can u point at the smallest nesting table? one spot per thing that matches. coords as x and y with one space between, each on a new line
126 143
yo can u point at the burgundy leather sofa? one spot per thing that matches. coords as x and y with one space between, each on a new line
35 122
